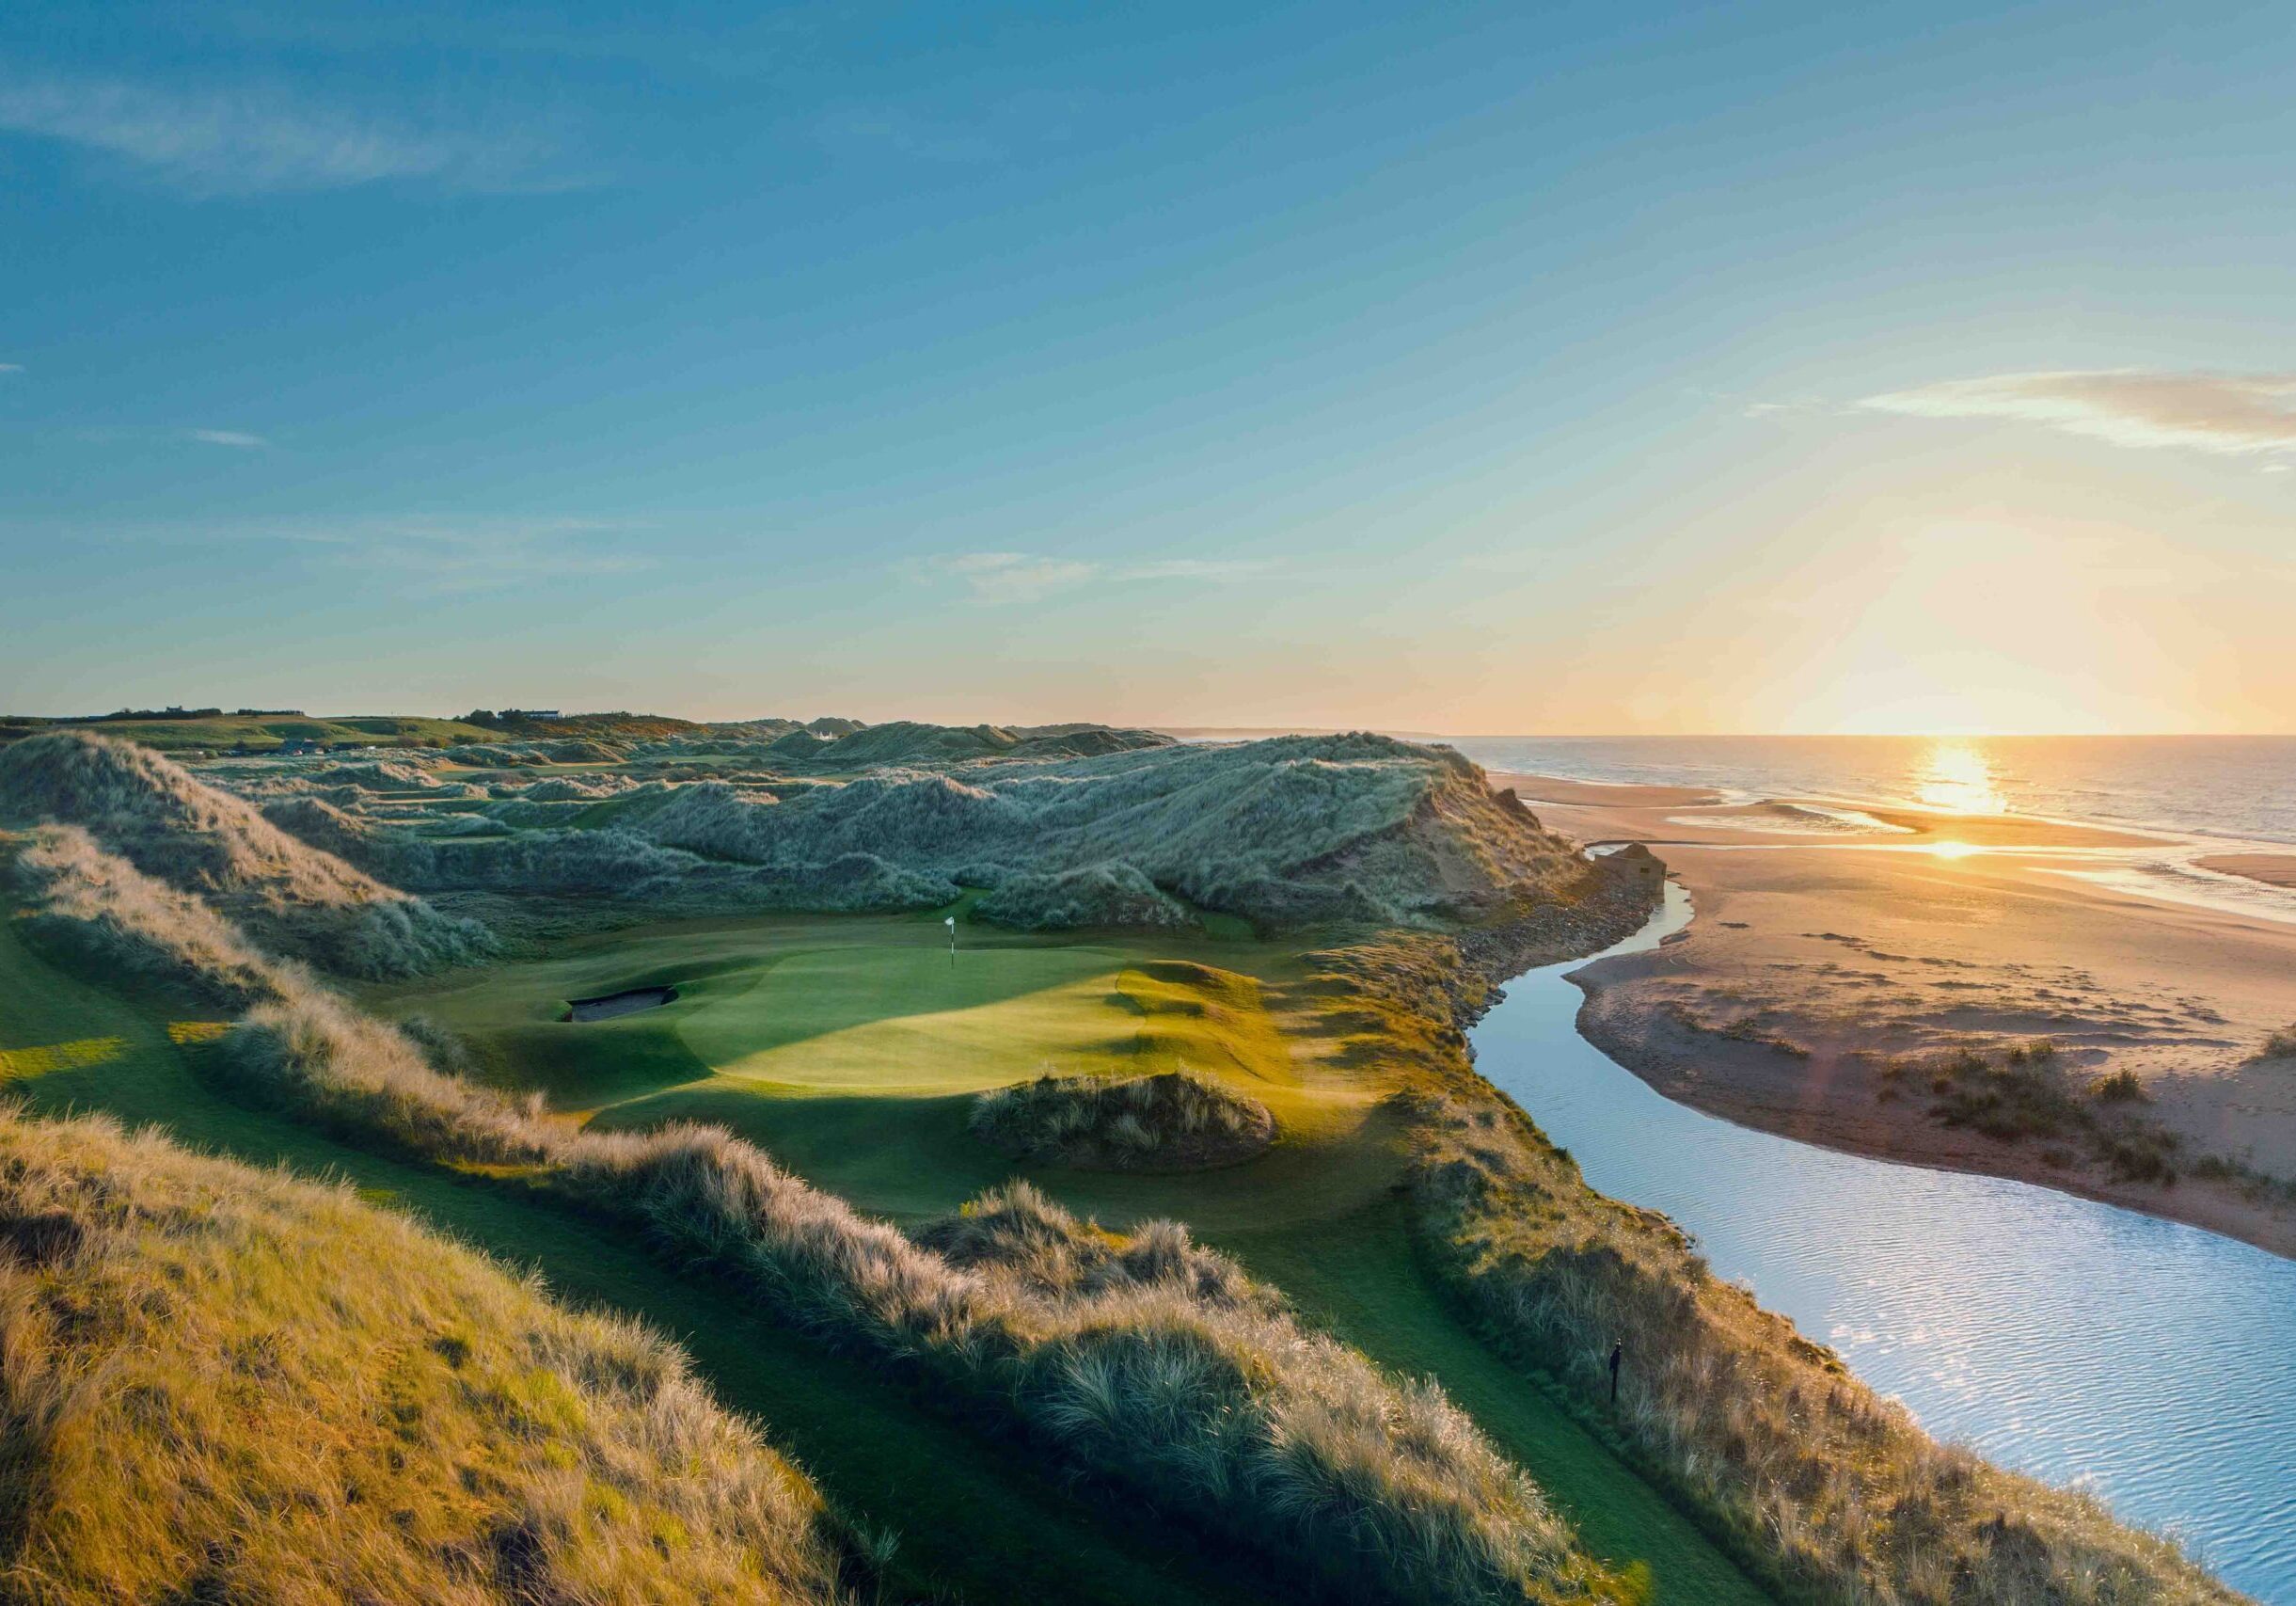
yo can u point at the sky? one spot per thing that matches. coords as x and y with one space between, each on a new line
1572 369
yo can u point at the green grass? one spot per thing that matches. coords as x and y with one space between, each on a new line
261 733
973 1514
849 1047
1361 1276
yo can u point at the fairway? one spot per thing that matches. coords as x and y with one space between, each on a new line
850 1048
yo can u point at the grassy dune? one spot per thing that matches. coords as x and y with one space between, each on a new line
1170 1374
1063 830
292 898
1174 1120
220 1384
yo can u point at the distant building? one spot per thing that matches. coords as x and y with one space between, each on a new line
538 715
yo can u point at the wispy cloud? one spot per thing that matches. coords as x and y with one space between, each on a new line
261 140
1013 577
238 438
1024 577
12 368
2230 414
438 556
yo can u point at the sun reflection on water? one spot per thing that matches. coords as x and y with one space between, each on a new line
1956 777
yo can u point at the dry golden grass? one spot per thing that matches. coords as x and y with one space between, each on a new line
1175 1120
219 1384
295 898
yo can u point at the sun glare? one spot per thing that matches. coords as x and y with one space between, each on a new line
1950 849
1956 779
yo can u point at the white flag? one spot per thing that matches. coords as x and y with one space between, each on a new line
950 922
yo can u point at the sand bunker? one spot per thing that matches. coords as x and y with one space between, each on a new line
607 1006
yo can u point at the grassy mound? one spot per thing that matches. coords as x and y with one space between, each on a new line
293 897
1063 828
1283 832
1175 1121
98 904
1098 895
1836 1492
223 1385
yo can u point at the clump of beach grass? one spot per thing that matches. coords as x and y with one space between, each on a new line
96 904
1177 1120
220 1384
2025 1092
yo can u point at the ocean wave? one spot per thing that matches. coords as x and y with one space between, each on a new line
1795 818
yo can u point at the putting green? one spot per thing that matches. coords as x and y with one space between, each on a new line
904 1020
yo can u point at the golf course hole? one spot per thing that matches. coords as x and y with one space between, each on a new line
627 1001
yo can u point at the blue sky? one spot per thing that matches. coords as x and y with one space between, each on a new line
1455 368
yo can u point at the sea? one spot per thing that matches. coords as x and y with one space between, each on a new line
2241 788
2204 795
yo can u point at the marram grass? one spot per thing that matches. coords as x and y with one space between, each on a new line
220 1384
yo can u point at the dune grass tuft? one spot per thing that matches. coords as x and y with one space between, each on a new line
1177 1120
219 1384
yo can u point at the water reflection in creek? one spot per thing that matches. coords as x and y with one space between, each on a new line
2152 1363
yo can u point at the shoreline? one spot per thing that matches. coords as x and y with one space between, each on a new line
2227 1217
1807 973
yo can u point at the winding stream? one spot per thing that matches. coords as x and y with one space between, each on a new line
2149 1361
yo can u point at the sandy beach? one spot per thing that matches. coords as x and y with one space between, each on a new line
2273 870
1825 951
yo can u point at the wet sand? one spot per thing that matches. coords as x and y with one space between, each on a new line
2273 870
1814 962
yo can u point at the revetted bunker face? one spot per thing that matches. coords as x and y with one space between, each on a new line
629 1002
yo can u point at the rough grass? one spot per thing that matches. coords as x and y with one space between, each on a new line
300 1045
1177 1120
1142 1360
82 898
1184 1384
1286 831
1835 1493
293 897
1096 895
2025 1092
1061 829
217 1384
